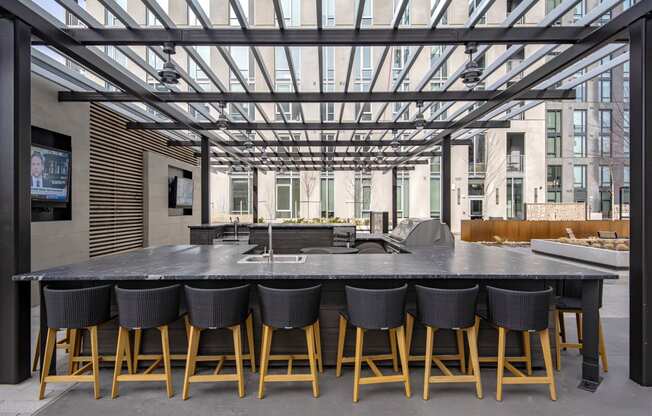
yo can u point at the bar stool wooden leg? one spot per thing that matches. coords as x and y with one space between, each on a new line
558 339
317 334
165 346
249 325
72 349
475 361
601 347
409 331
47 359
527 352
400 332
427 363
562 328
310 341
547 358
502 334
128 356
460 350
341 337
119 355
239 370
95 357
359 342
138 334
193 344
264 358
392 347
37 351
476 330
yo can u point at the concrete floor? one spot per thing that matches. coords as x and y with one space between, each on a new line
616 396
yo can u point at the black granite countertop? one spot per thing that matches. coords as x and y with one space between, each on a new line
188 262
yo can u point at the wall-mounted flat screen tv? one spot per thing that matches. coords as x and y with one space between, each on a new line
181 192
50 174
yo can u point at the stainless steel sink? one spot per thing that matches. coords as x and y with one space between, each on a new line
278 258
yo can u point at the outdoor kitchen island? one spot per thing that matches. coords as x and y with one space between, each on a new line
219 265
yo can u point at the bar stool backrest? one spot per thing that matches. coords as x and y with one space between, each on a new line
376 308
217 308
77 308
148 308
446 308
519 310
289 308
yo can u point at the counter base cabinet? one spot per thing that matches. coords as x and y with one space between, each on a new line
333 301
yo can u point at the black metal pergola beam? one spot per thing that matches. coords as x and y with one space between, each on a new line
333 37
313 97
243 168
389 125
333 154
317 143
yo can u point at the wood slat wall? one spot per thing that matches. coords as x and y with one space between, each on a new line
514 230
116 180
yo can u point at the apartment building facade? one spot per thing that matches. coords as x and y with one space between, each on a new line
552 152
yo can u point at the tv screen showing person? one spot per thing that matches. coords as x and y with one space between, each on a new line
50 174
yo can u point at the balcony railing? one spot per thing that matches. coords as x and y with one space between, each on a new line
515 163
477 168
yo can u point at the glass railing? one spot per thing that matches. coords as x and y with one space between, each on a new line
515 163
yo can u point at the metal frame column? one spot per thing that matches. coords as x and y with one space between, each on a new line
446 181
205 180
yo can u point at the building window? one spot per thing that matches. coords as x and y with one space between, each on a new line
327 195
291 12
402 195
328 13
195 71
328 83
515 198
151 19
579 133
287 195
605 176
579 176
626 177
580 90
362 195
626 133
233 18
554 183
474 4
205 6
435 187
367 12
553 133
405 20
291 111
626 83
477 155
434 5
550 6
604 85
109 18
240 194
580 11
605 132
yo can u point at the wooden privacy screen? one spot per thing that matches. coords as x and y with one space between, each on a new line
116 180
514 230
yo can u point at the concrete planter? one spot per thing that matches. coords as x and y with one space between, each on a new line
601 256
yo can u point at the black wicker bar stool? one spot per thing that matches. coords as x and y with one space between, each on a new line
512 310
218 309
570 301
283 308
144 309
375 309
452 309
76 309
